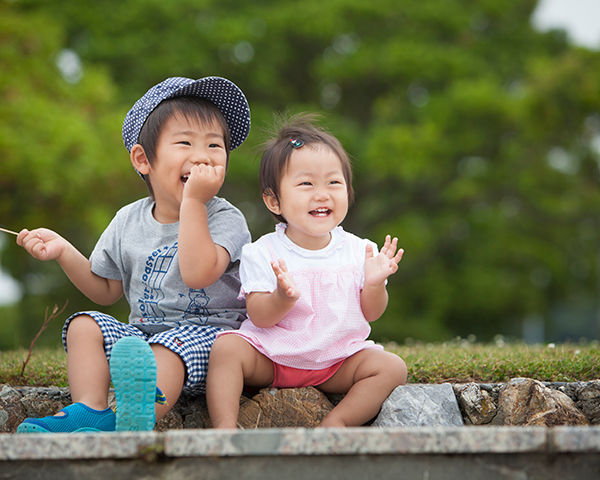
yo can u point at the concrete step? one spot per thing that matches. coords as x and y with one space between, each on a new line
399 453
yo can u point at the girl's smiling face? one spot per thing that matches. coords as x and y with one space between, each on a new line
313 196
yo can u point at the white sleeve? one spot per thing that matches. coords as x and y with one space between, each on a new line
256 273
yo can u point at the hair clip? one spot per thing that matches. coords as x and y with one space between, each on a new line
296 143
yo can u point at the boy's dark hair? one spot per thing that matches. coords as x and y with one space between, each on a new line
191 108
278 150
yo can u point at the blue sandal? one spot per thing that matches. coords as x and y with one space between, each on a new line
77 418
133 373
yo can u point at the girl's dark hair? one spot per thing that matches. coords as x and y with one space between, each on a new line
277 152
191 108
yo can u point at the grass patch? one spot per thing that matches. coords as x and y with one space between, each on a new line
462 361
458 361
47 367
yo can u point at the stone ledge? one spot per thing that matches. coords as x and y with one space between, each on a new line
297 442
78 446
358 441
383 441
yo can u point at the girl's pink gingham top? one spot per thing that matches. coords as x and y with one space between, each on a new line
326 325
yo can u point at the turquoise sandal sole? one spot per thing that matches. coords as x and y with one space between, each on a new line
133 373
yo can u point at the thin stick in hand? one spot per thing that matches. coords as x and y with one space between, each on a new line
8 231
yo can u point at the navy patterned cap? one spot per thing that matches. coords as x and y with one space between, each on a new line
224 94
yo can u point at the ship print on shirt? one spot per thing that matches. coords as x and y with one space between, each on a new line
157 266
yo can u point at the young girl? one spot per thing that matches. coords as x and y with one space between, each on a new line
311 290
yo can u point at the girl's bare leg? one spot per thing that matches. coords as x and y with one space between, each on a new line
368 376
233 362
170 377
87 366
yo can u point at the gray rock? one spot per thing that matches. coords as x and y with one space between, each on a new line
41 402
12 413
527 402
171 421
477 404
588 400
420 405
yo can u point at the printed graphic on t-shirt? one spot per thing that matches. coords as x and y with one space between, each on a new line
157 266
155 272
197 306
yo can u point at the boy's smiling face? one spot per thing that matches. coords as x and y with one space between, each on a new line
183 143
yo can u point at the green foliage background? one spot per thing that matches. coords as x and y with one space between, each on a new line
475 141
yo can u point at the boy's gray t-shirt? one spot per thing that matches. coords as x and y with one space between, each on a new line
142 253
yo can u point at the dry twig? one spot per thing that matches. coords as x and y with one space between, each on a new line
47 319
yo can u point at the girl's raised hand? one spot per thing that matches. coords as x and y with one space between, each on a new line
379 268
285 283
42 244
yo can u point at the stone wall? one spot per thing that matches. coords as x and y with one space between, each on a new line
530 403
518 402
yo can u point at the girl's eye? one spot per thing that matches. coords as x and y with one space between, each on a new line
215 145
305 183
185 142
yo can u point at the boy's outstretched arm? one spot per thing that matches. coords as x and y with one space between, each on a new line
201 261
265 309
44 244
374 296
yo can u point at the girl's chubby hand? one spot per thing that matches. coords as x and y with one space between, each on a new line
42 244
285 283
379 268
204 182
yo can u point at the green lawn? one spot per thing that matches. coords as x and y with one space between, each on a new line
46 367
462 361
457 361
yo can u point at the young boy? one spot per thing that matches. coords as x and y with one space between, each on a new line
179 136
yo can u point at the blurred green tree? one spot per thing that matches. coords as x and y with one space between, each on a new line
475 138
63 165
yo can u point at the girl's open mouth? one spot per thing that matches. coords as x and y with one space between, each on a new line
320 212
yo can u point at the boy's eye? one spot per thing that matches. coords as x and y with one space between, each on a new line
305 183
215 145
184 142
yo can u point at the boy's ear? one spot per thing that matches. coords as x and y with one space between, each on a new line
139 160
271 202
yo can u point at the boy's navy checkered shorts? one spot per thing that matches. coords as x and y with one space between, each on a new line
191 342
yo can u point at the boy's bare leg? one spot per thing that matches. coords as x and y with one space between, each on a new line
87 366
233 363
369 377
170 377
89 372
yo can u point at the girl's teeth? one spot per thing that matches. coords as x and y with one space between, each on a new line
321 212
